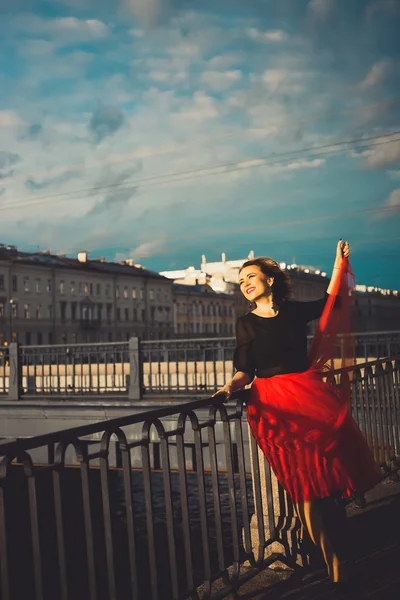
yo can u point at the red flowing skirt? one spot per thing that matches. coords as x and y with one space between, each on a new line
304 427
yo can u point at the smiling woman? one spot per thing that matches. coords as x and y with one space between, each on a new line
257 277
301 422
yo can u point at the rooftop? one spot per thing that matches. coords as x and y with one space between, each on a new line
81 263
198 289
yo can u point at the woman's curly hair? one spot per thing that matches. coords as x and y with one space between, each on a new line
282 287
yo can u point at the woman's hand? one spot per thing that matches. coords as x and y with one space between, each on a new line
342 251
224 391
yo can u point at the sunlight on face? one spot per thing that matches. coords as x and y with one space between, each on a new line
254 283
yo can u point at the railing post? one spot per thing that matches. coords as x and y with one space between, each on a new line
15 379
135 378
269 510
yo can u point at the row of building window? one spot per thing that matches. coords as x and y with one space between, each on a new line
200 309
84 288
86 313
223 328
39 312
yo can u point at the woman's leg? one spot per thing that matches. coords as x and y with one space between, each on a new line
311 518
336 523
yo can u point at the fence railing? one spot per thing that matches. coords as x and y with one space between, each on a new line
133 368
166 505
71 370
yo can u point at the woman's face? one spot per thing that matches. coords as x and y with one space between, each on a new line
254 284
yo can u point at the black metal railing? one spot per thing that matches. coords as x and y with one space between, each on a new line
375 404
165 504
131 368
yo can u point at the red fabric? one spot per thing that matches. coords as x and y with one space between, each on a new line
303 423
335 321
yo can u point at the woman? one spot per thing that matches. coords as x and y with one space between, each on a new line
301 422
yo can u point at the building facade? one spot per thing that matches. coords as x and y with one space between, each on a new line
48 299
199 311
375 309
222 278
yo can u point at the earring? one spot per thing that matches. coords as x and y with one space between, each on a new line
274 305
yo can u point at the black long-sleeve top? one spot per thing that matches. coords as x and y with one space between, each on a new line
275 345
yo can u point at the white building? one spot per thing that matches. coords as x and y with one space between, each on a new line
223 276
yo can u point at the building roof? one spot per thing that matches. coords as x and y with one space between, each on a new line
46 259
199 290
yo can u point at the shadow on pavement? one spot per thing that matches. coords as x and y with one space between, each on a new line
375 540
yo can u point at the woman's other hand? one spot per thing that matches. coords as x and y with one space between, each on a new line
342 250
224 391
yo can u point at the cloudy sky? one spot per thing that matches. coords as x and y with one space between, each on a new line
164 129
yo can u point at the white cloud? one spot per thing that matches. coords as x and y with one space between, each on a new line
201 108
137 33
393 199
224 61
10 118
36 49
243 169
283 80
221 80
185 50
167 65
252 162
383 155
146 249
276 35
296 165
321 9
61 30
167 77
168 131
304 163
148 11
377 74
54 65
90 27
268 116
274 78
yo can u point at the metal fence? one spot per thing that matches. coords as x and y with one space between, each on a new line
82 368
134 368
165 505
72 370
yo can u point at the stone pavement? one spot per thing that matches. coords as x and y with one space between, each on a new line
375 533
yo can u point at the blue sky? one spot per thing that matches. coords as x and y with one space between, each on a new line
161 130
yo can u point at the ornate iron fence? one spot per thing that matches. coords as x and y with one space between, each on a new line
166 504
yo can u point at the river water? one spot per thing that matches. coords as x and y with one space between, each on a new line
20 546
